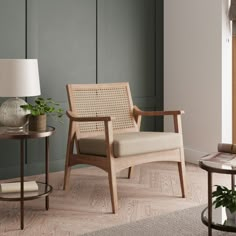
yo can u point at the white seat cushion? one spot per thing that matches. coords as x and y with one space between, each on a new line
132 143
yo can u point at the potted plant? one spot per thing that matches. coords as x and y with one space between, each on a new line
226 198
39 111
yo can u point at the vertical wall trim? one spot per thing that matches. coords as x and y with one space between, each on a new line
96 41
159 60
26 28
234 86
155 46
26 56
155 58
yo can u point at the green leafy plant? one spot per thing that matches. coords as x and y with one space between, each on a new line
43 106
224 197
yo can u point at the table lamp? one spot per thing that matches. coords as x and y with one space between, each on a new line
18 78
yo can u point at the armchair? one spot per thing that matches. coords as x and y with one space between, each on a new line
104 125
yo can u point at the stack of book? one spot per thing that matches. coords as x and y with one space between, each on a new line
30 188
224 158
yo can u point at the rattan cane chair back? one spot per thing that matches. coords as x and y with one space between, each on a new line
102 100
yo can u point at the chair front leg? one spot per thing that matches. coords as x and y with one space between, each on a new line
111 165
181 167
130 172
113 189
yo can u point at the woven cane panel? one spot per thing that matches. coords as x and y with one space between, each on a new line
112 102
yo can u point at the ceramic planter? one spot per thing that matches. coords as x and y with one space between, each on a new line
38 123
230 216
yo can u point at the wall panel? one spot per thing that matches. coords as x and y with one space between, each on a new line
12 45
127 50
61 34
126 44
12 28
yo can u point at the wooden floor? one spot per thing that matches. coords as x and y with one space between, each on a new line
154 190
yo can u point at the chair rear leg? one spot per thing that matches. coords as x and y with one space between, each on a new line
130 172
67 168
182 171
69 152
66 177
113 190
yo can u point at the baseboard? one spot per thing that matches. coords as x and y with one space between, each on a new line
192 155
33 169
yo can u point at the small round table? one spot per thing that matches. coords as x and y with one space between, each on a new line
44 189
211 217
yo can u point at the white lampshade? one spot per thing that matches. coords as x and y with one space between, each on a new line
19 78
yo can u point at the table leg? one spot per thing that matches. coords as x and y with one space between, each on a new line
22 154
209 203
232 182
46 170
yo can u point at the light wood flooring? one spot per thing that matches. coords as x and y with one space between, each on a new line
153 190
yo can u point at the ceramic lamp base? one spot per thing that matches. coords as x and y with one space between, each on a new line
12 115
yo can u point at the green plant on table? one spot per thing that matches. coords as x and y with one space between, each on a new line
224 197
42 106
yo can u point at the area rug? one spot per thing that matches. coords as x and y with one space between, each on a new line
180 223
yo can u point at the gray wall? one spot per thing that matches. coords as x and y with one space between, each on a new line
82 41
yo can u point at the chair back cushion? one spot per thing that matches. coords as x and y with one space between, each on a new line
94 100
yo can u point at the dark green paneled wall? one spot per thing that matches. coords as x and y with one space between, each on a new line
82 41
12 28
12 45
62 35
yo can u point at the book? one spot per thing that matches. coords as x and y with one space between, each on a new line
30 186
227 147
223 160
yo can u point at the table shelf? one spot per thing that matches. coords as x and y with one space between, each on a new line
219 220
43 190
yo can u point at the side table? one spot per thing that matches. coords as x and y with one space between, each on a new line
44 188
211 217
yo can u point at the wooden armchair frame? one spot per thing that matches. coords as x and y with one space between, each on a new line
109 162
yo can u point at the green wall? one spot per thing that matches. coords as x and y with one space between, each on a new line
82 41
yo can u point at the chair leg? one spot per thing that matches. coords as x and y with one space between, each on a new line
130 172
113 190
69 151
181 167
67 170
66 177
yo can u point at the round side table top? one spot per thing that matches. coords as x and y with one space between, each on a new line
219 162
25 134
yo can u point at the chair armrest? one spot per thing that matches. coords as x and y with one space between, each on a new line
137 111
108 130
176 116
72 116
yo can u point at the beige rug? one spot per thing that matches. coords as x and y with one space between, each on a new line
153 191
180 223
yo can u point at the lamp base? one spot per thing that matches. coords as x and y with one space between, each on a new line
12 115
15 129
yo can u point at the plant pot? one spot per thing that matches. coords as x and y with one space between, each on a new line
230 216
38 123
